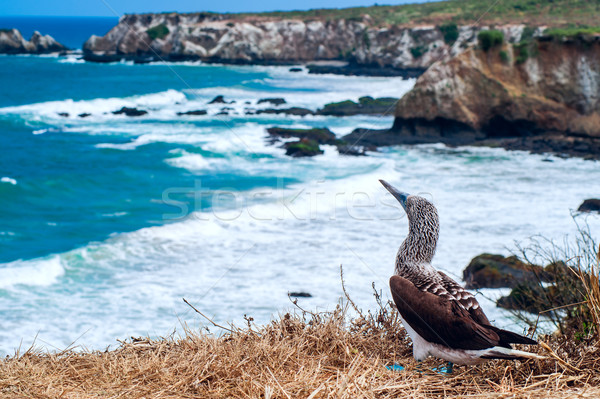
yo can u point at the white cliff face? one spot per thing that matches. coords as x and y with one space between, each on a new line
269 40
12 42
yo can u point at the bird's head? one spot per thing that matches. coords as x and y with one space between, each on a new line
422 215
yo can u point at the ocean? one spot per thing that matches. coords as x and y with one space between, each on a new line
108 221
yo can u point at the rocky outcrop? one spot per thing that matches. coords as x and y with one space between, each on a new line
298 111
366 106
195 112
270 40
590 205
531 296
318 135
130 111
533 288
12 42
495 271
302 148
309 140
542 96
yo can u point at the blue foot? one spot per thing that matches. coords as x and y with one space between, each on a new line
444 369
395 367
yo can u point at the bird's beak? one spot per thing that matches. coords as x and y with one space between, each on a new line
399 195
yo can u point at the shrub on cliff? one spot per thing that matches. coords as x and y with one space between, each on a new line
158 31
418 51
522 50
490 38
450 32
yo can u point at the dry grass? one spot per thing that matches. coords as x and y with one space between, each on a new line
296 356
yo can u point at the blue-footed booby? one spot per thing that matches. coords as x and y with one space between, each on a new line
441 317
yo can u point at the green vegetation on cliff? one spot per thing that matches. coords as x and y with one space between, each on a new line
490 38
572 32
554 13
158 31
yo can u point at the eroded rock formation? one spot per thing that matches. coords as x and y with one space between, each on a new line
12 42
547 101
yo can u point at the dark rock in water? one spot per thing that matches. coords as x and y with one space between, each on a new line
302 148
274 101
366 105
523 297
63 114
130 111
495 271
374 137
365 70
590 205
531 296
295 69
318 135
84 115
194 112
219 100
300 294
287 111
415 132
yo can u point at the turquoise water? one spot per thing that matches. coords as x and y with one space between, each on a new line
65 184
108 221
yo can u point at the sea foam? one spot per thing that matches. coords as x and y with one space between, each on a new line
38 272
8 180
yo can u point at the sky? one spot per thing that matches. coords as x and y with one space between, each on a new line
111 8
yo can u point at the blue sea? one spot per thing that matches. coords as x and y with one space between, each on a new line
108 221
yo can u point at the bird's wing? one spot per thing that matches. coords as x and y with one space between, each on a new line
465 298
440 320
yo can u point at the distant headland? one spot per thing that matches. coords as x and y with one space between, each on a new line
12 42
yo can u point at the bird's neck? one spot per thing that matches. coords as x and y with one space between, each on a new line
417 250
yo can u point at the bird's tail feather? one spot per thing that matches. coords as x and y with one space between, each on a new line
509 337
499 352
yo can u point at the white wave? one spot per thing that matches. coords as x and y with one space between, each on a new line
98 108
312 91
8 180
192 162
309 91
265 242
37 272
114 214
72 59
150 138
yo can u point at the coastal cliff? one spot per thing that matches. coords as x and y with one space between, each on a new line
541 96
271 40
12 42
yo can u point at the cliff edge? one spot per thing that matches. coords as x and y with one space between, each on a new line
272 40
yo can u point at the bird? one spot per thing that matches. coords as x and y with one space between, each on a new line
442 319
